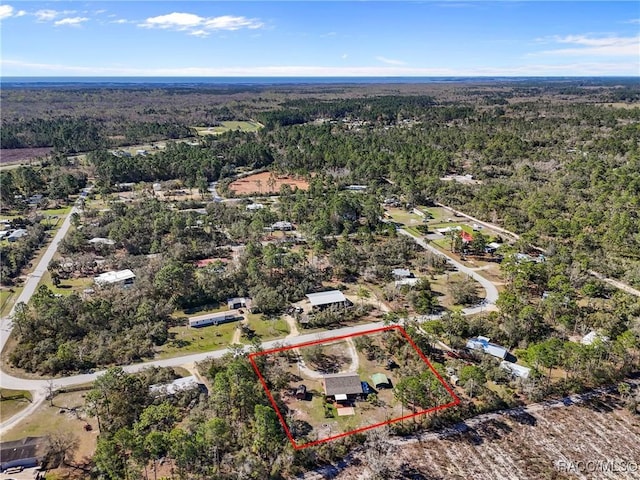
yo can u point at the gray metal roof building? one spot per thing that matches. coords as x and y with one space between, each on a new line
326 298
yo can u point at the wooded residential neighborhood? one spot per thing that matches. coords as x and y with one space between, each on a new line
201 229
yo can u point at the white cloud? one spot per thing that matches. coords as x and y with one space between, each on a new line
200 26
21 13
229 22
72 21
175 20
6 11
634 21
199 33
390 61
120 21
46 15
594 46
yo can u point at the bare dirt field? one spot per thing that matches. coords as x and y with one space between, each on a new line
595 440
17 155
266 183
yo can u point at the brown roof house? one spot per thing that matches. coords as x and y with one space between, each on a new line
342 386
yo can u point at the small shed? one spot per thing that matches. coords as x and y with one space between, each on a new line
400 273
238 302
380 380
301 392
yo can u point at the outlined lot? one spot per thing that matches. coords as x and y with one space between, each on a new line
309 419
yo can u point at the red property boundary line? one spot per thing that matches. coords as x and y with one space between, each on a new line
455 400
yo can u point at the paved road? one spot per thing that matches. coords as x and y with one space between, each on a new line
33 279
491 292
39 387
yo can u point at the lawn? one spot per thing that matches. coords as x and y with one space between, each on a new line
184 340
12 401
268 329
57 211
67 286
65 416
7 299
227 126
405 218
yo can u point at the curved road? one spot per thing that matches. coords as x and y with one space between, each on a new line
491 291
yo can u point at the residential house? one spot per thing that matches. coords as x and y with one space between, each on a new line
213 319
123 277
27 452
282 226
482 343
592 336
515 369
411 282
399 273
101 241
342 386
177 386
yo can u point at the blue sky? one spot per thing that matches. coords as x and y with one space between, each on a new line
316 38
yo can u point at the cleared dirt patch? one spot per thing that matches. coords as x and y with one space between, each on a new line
266 183
596 440
17 155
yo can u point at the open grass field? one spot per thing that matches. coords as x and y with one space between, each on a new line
264 183
268 329
407 219
227 126
12 401
184 340
67 286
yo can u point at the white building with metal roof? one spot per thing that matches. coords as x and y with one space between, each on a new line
482 343
125 277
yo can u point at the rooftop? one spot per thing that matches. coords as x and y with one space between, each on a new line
326 298
104 241
342 383
178 385
114 277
